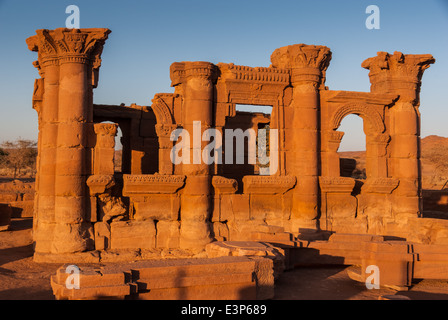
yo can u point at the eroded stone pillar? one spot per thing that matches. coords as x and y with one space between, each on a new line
104 152
70 59
165 146
307 64
330 145
401 74
197 87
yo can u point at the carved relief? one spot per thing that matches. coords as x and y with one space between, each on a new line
224 185
107 129
161 109
336 184
98 184
181 71
308 63
268 184
373 117
398 73
380 185
147 184
38 94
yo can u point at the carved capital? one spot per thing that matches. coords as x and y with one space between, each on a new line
397 73
308 63
164 130
64 45
70 44
180 72
98 184
106 129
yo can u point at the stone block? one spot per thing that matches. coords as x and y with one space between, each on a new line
168 233
102 235
235 207
158 207
133 234
220 231
263 207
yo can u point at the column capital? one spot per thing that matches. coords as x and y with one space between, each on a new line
397 73
106 129
308 63
64 45
180 72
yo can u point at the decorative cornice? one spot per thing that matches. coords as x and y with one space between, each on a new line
368 98
268 184
336 184
142 184
257 74
224 185
380 185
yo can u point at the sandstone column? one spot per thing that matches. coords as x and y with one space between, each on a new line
307 64
197 79
68 109
401 74
48 66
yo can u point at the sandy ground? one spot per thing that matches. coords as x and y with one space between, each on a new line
23 279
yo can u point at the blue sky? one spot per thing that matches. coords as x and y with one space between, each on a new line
147 36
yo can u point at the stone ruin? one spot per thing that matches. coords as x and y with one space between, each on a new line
309 211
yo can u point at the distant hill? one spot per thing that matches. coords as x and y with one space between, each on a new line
434 158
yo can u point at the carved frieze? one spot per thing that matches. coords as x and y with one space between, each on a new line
336 184
141 184
380 185
224 185
268 184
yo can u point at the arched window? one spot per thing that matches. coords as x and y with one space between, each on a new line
352 150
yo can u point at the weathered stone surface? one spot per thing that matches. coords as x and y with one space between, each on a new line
132 234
